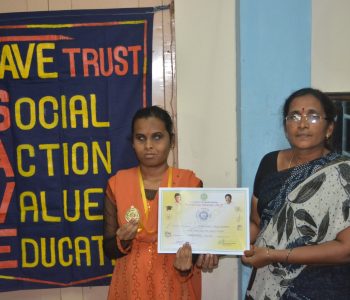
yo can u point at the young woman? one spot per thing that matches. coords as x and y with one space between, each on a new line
300 210
131 219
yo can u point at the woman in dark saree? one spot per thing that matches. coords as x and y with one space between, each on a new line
300 224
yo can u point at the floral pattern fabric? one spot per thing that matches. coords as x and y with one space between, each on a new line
313 211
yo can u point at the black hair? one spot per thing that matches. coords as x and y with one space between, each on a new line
156 112
326 103
228 195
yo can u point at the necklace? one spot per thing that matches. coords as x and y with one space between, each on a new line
146 205
299 161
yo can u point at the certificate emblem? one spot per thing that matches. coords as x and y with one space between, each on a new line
132 213
203 215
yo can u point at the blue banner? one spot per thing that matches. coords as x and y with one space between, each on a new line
70 82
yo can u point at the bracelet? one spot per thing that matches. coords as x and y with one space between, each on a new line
183 276
287 257
184 272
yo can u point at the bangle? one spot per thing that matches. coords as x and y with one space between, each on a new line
121 248
287 257
184 273
268 254
184 276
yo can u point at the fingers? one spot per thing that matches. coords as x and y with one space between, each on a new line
183 260
207 262
133 221
245 260
257 257
128 231
215 261
247 255
184 251
250 252
200 261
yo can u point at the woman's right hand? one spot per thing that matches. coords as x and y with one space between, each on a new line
183 259
128 231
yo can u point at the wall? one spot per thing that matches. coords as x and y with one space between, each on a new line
283 46
274 59
206 64
330 45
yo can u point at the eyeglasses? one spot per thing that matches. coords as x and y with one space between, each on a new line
310 118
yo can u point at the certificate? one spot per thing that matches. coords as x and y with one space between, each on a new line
212 220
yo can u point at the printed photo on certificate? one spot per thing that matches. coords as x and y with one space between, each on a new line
212 220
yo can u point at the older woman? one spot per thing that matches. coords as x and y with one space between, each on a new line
300 210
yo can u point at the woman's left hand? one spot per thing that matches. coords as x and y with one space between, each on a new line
207 262
257 257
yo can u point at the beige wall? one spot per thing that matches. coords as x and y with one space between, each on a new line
206 110
206 95
206 81
330 65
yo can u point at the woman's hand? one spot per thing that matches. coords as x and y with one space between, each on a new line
128 231
183 260
257 257
207 262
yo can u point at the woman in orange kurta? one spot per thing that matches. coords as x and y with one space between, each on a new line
131 219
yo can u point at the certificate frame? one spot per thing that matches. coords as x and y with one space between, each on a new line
212 220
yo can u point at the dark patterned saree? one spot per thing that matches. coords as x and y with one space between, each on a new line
310 207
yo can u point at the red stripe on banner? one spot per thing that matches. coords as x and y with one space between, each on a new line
8 232
5 249
144 64
8 264
65 25
53 282
88 280
30 38
6 202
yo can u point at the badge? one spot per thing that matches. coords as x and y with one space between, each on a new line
132 213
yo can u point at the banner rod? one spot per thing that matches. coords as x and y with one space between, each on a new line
161 7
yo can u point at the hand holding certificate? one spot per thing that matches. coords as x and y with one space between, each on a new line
212 220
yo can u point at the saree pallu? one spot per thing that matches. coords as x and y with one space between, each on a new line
314 211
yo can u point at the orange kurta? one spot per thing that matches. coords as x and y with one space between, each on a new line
143 273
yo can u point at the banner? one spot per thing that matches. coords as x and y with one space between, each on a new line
70 82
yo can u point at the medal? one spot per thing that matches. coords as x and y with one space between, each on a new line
132 213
